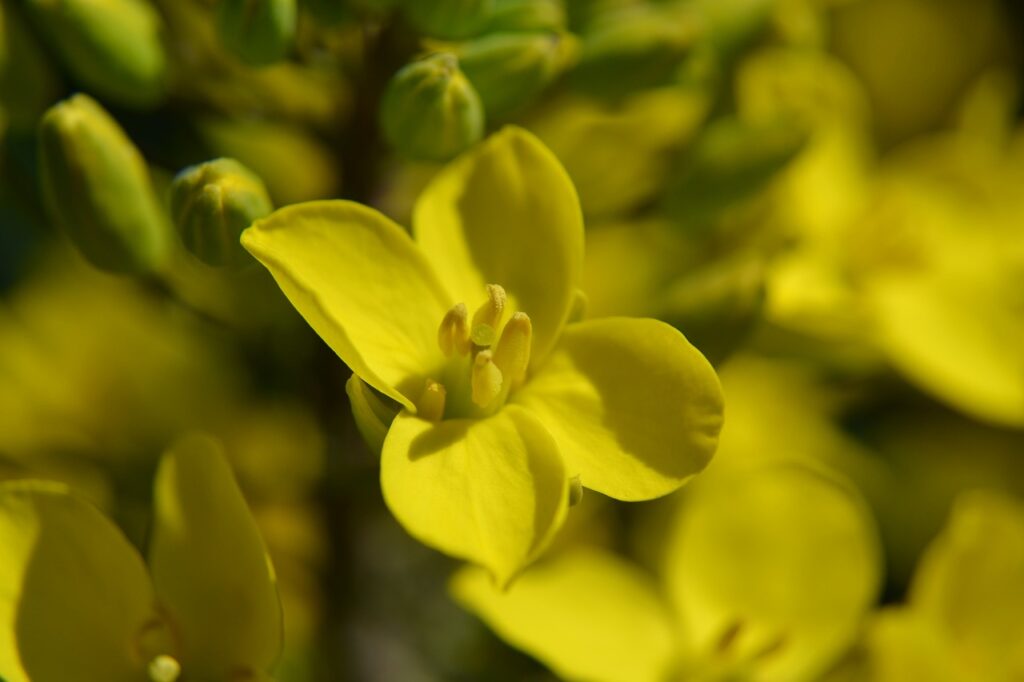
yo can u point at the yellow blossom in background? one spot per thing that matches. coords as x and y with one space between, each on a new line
77 601
590 615
962 621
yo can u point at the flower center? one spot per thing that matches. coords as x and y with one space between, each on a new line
487 358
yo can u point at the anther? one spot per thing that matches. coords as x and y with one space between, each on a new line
430 406
512 354
487 379
164 668
491 311
453 334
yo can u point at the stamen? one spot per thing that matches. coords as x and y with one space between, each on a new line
512 354
487 379
164 668
575 490
430 406
453 334
491 311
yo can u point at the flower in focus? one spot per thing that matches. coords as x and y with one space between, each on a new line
467 326
77 602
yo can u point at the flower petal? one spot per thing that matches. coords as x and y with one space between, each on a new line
506 213
209 565
584 613
902 646
968 583
634 408
955 341
774 568
492 491
362 284
74 594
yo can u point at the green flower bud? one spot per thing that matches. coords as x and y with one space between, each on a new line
430 110
717 305
112 47
731 24
328 12
633 49
526 15
449 19
96 187
258 31
510 69
728 163
28 83
211 203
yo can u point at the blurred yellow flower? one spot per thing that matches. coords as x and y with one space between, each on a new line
504 405
768 575
963 621
78 603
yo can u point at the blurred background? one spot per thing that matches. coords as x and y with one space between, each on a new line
825 196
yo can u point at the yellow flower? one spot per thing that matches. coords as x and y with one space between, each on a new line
963 621
77 602
768 575
466 325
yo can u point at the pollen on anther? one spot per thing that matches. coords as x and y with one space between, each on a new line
453 334
486 380
512 353
490 313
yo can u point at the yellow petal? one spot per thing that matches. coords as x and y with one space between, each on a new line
585 614
491 491
506 213
74 594
970 585
773 569
955 341
902 646
634 408
209 565
362 284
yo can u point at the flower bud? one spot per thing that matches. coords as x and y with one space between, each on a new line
258 32
28 82
526 15
328 12
717 305
211 203
96 187
112 48
730 162
509 69
633 49
448 19
430 110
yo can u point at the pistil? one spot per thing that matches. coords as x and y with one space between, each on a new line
488 358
